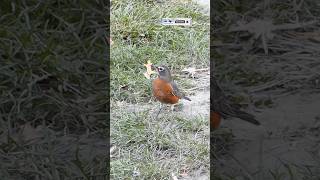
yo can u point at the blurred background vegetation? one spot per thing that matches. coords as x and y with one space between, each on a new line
53 89
266 52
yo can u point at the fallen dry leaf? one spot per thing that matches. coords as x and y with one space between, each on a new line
149 70
184 172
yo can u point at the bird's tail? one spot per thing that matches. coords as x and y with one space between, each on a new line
186 98
247 117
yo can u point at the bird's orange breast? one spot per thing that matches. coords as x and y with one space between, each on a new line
163 92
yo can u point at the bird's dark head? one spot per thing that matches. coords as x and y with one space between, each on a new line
163 72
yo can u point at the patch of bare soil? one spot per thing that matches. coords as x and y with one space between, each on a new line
200 101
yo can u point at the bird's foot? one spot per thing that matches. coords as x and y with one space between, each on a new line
176 107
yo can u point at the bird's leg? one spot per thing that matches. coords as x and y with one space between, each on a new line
159 111
172 107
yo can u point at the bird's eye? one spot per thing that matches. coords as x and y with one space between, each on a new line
160 68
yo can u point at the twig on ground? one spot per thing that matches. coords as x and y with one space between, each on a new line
112 149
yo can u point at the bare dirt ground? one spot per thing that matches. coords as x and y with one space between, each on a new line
200 104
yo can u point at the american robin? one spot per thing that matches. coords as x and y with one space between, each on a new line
164 88
221 107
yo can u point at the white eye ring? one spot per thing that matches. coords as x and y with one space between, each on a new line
160 68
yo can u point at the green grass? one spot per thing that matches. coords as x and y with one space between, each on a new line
147 148
157 148
139 37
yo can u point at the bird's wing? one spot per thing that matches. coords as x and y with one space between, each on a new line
176 91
